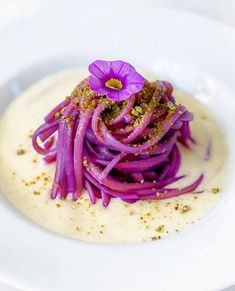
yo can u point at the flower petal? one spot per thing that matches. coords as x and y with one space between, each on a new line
134 78
100 69
97 85
119 95
133 88
116 67
134 84
103 71
126 70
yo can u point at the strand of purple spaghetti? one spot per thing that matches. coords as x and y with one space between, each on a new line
116 159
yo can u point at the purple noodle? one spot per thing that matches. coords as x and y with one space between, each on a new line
116 159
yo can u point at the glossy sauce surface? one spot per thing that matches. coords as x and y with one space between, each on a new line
26 180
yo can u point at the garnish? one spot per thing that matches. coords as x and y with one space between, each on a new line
116 149
117 80
160 228
185 208
20 152
215 190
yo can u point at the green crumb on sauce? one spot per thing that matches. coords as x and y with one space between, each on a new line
160 228
20 152
215 190
185 209
156 237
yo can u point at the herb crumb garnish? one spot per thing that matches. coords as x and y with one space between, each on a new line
177 206
160 228
30 134
156 237
36 192
171 105
215 190
20 152
57 115
185 209
85 162
58 205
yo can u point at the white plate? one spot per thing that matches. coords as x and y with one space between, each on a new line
196 54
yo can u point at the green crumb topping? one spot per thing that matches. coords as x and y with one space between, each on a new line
85 162
113 110
86 90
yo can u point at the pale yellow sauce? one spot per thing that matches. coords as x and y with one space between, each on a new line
26 180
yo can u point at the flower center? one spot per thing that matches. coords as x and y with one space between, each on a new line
114 84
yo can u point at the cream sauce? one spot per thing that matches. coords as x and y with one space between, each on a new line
26 180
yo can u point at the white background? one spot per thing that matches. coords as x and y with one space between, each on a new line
12 11
222 10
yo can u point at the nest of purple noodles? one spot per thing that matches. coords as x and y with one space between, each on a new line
127 150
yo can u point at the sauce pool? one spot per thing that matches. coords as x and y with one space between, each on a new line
26 181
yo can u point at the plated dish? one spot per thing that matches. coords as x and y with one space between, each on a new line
197 56
126 159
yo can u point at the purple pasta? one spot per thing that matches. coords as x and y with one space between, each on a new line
124 149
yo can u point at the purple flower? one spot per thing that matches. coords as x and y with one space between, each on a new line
117 80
